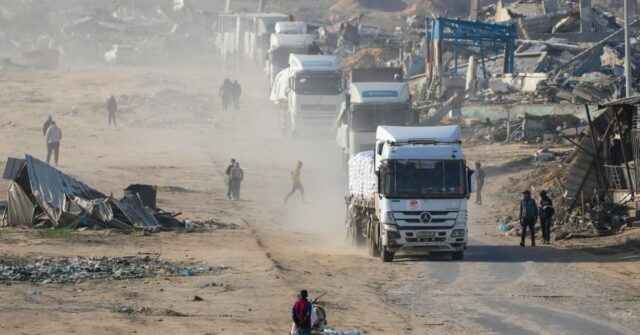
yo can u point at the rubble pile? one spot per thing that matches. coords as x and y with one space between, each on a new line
151 31
369 58
164 105
524 128
77 269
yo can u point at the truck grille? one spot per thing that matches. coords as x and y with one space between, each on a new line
318 108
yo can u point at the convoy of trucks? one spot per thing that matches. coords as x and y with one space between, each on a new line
408 184
410 193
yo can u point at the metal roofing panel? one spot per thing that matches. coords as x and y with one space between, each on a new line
13 167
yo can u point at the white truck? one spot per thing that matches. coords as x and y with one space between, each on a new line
281 47
310 93
376 97
410 193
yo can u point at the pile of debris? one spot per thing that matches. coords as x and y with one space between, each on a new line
43 196
77 269
523 128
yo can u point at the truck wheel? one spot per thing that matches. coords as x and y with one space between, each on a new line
457 255
372 247
385 255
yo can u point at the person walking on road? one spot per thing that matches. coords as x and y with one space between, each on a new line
53 136
528 217
297 183
236 92
237 175
225 93
46 125
479 183
228 173
112 107
301 314
546 216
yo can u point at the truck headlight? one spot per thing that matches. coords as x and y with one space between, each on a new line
388 218
393 235
458 233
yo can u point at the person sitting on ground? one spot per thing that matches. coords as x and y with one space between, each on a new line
301 314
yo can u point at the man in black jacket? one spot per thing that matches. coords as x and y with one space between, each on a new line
546 215
228 173
528 217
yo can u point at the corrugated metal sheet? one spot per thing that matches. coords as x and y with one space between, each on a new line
20 208
53 189
12 169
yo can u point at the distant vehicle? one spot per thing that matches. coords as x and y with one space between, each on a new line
410 193
246 35
376 97
281 47
119 54
310 93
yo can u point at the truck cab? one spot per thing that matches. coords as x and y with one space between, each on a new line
289 38
423 187
315 93
372 101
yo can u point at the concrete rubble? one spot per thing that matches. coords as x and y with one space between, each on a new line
46 270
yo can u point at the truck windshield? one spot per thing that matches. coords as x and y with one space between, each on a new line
426 178
367 118
325 84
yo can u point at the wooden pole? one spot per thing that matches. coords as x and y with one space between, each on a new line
624 155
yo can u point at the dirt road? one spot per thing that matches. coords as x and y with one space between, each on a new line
499 288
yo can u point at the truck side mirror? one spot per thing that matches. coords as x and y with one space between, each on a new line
379 147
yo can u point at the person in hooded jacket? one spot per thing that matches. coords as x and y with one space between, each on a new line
528 217
546 216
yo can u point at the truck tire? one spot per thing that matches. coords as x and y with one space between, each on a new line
372 246
457 255
385 255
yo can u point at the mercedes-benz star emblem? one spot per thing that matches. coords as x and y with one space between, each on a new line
425 217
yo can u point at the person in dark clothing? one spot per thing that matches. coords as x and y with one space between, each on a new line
46 125
237 175
528 217
479 183
546 215
228 173
112 107
236 91
314 49
225 93
301 313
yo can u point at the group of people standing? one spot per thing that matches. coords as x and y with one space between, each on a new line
530 212
230 94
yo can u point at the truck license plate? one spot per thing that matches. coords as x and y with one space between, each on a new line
426 234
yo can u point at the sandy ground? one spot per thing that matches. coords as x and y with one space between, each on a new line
498 289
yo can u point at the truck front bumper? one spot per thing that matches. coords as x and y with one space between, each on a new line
424 240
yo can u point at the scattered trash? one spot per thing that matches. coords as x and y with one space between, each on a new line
76 269
197 298
34 292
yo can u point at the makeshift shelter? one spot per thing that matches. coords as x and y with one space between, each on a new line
41 194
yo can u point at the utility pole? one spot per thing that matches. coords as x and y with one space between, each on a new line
261 5
627 53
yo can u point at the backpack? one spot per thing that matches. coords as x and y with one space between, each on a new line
236 173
